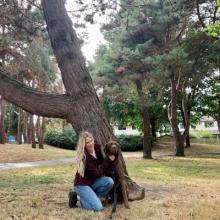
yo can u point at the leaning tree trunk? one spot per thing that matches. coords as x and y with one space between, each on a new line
86 114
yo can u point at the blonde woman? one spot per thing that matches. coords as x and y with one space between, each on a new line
90 183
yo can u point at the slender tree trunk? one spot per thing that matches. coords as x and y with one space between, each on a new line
9 130
147 149
187 138
40 128
20 126
29 129
172 113
153 122
42 132
32 127
219 113
2 111
25 127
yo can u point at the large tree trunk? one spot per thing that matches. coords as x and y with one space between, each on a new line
86 114
147 152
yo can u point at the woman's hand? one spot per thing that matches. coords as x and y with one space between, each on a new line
112 157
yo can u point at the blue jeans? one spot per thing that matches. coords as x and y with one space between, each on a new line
89 195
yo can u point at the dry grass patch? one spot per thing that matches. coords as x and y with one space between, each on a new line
176 188
11 153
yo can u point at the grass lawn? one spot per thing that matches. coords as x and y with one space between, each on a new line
176 188
21 153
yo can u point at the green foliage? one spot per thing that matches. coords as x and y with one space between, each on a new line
63 138
130 142
10 119
205 134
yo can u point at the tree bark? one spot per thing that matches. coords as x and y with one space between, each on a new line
32 128
25 127
147 150
172 114
153 122
40 129
19 127
187 138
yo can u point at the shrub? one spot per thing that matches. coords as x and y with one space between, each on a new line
205 134
63 138
130 142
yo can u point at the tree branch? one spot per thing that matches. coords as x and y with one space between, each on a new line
199 15
33 101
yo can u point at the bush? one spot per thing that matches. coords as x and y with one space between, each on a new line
205 134
130 142
66 138
63 138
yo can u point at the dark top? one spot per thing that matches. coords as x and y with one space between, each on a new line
94 167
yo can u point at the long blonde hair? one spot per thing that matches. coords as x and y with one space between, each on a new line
80 153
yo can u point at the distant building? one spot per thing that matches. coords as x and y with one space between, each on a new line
118 130
206 123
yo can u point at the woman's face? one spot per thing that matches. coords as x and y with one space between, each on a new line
89 144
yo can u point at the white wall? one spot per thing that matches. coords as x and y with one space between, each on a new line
127 131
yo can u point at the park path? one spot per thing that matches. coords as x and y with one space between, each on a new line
137 155
8 166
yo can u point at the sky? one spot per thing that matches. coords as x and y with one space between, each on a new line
95 38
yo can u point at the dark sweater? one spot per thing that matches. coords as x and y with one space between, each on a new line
94 167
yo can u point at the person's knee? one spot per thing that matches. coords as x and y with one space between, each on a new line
110 182
98 207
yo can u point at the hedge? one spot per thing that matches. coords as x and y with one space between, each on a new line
66 138
62 138
130 142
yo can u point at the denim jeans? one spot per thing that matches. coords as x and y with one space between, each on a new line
90 195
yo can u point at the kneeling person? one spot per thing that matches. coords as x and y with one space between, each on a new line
90 183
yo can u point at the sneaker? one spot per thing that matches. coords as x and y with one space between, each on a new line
72 199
